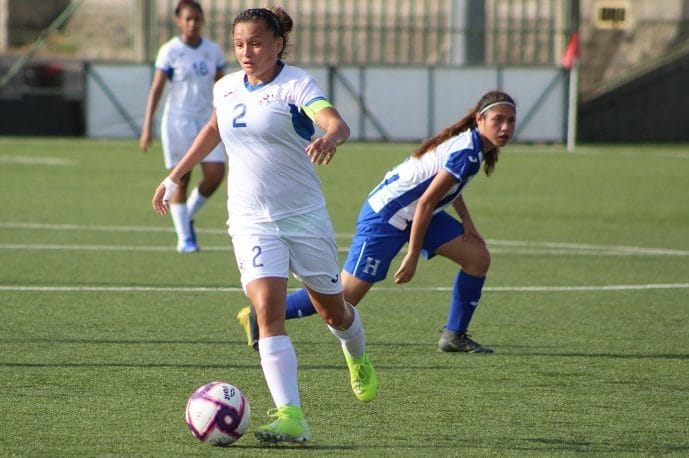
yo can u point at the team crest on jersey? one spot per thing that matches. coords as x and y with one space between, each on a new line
268 98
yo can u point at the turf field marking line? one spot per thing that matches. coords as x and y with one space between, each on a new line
113 289
498 246
512 289
96 228
601 251
202 289
28 160
56 247
587 247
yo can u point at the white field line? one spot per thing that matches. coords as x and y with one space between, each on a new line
666 154
498 289
30 160
96 228
513 246
496 246
77 247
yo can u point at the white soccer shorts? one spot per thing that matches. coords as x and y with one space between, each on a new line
304 245
177 134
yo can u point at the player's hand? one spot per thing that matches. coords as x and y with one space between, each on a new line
407 269
162 194
145 140
321 150
471 231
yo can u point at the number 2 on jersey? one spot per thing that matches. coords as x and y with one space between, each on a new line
256 262
240 112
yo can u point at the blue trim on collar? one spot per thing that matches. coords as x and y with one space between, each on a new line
249 87
478 143
196 46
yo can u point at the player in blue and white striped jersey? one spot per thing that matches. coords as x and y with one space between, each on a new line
408 206
191 65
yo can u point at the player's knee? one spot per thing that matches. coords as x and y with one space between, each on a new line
269 322
337 317
485 260
479 263
213 174
334 320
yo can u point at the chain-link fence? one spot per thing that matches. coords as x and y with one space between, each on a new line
364 36
326 32
404 32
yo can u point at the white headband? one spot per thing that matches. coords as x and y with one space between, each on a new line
489 106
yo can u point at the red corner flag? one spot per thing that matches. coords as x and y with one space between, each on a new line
571 52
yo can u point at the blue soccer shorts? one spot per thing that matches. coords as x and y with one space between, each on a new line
376 243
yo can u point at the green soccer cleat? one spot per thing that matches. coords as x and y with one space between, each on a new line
290 426
362 377
456 341
247 318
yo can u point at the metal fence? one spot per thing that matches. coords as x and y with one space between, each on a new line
404 32
374 58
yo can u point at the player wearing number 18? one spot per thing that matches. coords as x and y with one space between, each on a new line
190 65
278 220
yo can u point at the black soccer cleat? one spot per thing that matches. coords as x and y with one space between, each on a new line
459 341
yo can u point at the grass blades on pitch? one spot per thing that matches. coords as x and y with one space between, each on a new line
106 330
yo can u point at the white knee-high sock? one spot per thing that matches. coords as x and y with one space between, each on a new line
353 339
180 218
279 364
195 202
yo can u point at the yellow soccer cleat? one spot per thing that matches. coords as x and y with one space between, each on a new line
290 426
247 318
362 377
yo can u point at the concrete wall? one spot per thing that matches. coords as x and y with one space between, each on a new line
23 20
405 103
651 108
652 28
4 24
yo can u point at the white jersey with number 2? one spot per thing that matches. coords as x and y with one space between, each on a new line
265 132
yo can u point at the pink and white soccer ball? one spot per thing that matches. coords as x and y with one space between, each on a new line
218 413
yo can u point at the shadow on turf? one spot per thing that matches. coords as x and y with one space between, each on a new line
561 445
608 355
521 350
541 445
314 446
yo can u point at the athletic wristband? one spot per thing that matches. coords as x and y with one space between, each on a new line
170 188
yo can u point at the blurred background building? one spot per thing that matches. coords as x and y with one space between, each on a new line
633 54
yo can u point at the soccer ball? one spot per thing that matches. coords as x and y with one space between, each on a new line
218 413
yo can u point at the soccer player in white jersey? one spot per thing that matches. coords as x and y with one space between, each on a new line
191 64
277 219
408 206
